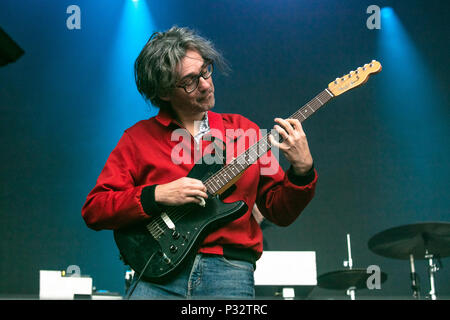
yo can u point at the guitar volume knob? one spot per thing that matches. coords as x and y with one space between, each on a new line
175 234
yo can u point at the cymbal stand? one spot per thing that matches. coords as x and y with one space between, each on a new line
414 278
349 263
432 268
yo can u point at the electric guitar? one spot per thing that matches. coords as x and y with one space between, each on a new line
160 246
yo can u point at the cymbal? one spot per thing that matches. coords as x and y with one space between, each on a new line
344 279
415 239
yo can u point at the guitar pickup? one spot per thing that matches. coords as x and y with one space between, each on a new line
169 223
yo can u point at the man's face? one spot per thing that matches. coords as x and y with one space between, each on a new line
202 98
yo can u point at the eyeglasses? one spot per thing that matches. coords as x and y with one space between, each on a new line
189 84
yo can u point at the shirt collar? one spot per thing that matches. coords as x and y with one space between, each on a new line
216 123
203 128
165 117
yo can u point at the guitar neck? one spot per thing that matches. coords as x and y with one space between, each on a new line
229 173
312 106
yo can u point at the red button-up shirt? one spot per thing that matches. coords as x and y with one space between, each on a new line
144 156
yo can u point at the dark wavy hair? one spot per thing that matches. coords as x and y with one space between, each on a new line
155 70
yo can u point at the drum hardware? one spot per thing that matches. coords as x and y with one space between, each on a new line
349 263
415 286
349 279
432 269
426 240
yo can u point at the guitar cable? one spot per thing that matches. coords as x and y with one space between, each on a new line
139 278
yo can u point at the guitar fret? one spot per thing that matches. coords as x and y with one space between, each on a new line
243 164
319 101
254 154
305 117
315 104
259 152
231 174
213 186
216 184
210 186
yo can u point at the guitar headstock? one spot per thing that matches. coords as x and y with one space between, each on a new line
354 78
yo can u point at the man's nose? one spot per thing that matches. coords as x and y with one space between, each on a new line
204 84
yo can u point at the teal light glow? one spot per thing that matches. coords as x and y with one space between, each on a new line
127 105
387 12
411 105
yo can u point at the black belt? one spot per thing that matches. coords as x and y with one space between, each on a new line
244 254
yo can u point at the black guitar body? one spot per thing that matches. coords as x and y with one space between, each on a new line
169 248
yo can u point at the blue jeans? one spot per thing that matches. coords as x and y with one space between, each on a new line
210 276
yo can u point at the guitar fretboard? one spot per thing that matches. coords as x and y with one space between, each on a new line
230 171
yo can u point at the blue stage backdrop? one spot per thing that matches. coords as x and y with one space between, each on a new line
381 151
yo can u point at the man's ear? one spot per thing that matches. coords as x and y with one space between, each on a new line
164 95
165 98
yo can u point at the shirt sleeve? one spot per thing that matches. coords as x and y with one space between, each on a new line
115 200
282 196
